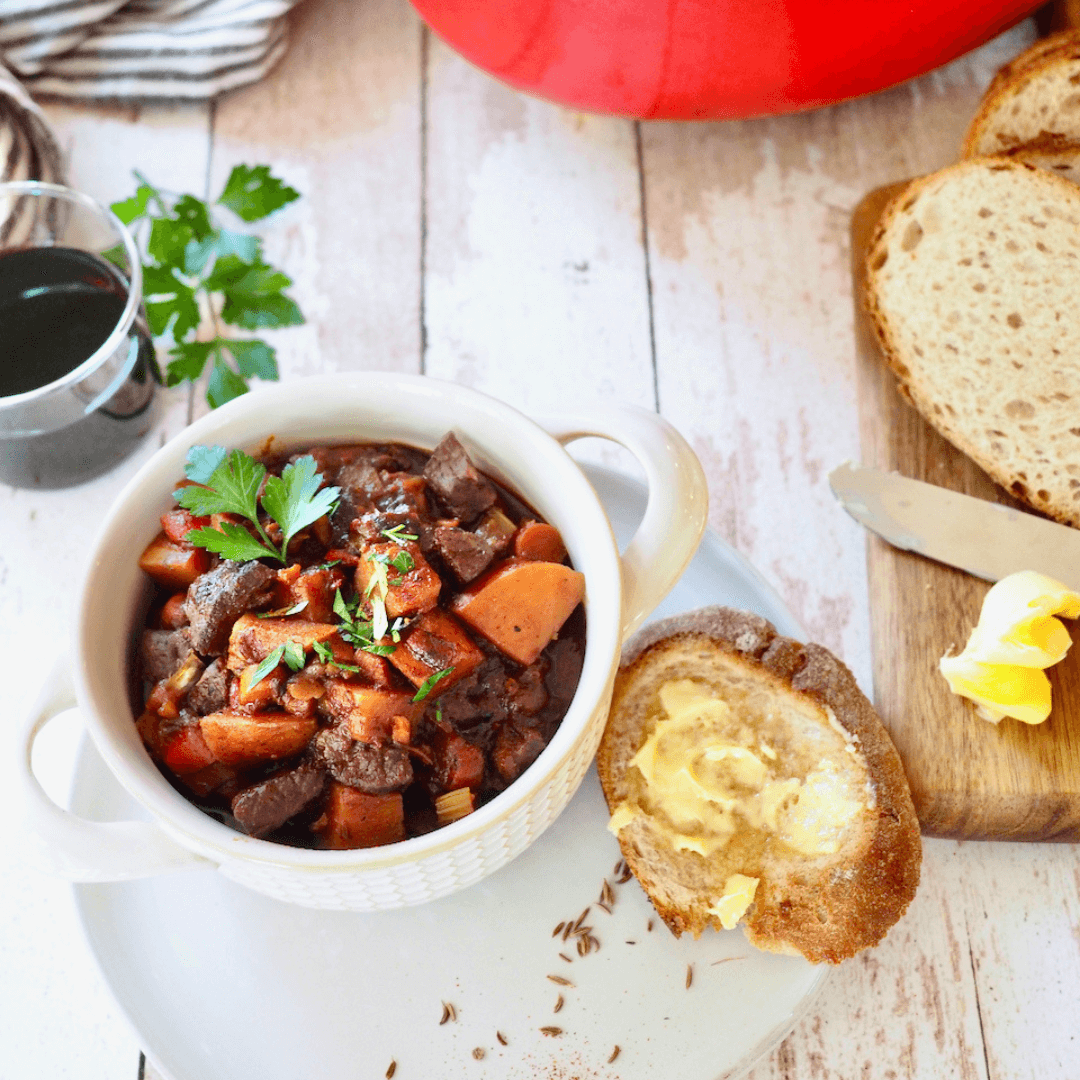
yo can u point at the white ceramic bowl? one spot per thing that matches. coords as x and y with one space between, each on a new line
620 591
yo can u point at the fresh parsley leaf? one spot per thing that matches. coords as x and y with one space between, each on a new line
230 540
231 488
294 654
168 239
341 609
251 192
244 245
202 463
194 214
129 210
272 660
188 360
159 281
178 315
294 500
380 650
403 562
254 358
224 384
254 299
429 683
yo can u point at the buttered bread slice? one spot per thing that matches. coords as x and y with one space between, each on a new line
749 779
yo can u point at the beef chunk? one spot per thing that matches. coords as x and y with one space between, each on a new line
219 597
481 696
376 770
161 652
211 693
454 479
362 481
467 554
267 805
516 748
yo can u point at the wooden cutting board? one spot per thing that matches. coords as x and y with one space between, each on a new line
970 779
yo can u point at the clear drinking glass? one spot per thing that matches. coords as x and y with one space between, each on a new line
77 368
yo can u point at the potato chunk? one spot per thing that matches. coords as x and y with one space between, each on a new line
235 739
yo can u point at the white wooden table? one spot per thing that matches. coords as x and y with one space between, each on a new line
454 227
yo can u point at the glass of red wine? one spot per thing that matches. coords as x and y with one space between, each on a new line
77 368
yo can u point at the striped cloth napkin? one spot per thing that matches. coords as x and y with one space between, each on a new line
140 49
28 149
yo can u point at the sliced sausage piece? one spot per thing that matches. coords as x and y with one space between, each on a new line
521 605
355 819
266 806
248 740
456 481
220 596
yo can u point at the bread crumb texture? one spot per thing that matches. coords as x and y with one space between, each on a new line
733 753
971 284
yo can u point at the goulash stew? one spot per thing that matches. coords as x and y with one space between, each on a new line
354 645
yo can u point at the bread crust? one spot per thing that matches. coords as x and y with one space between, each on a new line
1012 80
1049 497
824 911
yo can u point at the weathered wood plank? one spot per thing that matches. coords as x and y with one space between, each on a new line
55 1016
340 120
535 288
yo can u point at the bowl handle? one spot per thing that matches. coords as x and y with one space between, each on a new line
678 504
69 846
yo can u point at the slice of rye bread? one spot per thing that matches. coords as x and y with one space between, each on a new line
1035 95
971 280
804 704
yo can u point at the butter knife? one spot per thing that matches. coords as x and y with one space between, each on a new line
982 538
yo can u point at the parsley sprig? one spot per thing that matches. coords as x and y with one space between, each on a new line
292 652
229 482
362 632
196 270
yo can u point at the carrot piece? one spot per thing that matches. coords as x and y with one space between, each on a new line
235 739
253 639
173 565
540 542
355 819
173 615
370 712
408 591
521 605
186 751
434 642
178 522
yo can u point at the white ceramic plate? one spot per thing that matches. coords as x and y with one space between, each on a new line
221 983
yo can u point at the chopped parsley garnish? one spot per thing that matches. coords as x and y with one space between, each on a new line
326 655
429 683
398 536
292 652
228 482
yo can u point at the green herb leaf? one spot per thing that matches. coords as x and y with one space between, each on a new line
231 541
178 315
247 247
231 487
272 660
159 281
282 612
194 214
294 654
326 655
341 609
129 210
403 562
224 384
294 500
378 583
254 358
429 683
380 650
397 534
189 359
251 192
168 239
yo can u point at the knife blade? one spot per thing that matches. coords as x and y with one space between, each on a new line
982 538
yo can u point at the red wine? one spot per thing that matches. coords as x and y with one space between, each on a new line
58 306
